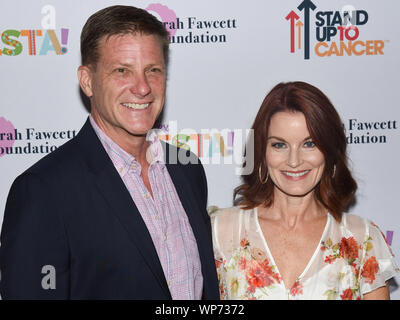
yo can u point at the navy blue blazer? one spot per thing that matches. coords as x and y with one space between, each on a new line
72 211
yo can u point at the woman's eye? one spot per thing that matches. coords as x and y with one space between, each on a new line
278 145
309 144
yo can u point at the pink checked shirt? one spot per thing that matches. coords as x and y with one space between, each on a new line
163 215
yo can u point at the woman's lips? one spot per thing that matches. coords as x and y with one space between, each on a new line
296 175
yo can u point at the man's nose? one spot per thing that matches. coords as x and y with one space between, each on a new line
140 85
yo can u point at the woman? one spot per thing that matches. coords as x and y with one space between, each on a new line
288 236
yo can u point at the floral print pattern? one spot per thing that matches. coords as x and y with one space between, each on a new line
254 268
370 269
348 251
345 266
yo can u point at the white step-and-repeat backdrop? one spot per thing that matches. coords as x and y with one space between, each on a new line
225 56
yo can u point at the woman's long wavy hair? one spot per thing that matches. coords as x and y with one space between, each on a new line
337 188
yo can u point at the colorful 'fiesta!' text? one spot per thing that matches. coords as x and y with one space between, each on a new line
39 41
16 40
338 33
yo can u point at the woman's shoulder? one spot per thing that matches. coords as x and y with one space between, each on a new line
227 215
215 210
223 214
353 220
230 212
359 225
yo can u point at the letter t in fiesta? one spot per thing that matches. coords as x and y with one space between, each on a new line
31 34
306 5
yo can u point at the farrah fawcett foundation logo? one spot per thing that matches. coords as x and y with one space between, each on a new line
30 140
192 29
370 132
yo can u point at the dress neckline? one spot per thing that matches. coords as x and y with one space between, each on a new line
310 261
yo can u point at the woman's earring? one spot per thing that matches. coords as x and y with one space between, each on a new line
334 170
259 175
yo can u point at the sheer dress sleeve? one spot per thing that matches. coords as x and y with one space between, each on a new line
377 264
225 233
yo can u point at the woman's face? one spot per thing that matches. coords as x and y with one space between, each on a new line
295 164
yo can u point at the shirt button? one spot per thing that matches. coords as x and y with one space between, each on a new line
165 237
169 283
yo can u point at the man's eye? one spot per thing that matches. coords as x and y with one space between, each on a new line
121 70
155 70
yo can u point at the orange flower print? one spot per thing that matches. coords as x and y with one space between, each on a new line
347 295
218 263
371 267
254 278
242 263
269 270
257 276
330 259
348 249
244 243
297 288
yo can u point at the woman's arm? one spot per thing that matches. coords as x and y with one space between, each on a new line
381 293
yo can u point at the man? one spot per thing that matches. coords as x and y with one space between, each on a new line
106 216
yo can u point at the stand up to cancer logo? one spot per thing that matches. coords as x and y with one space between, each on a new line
336 32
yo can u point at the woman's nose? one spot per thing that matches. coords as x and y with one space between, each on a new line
294 159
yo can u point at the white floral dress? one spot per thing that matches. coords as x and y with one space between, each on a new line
352 258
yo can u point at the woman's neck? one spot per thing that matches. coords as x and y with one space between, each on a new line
292 211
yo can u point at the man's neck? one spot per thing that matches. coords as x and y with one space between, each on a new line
135 145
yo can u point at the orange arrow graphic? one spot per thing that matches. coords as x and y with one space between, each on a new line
299 25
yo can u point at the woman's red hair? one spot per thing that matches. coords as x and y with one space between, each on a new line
337 187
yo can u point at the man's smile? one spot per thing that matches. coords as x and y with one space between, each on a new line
136 106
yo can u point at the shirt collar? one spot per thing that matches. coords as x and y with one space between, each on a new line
122 160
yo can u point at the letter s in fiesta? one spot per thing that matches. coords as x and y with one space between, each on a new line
5 38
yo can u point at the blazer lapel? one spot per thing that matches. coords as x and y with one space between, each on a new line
112 188
199 227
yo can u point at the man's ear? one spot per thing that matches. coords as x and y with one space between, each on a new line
85 80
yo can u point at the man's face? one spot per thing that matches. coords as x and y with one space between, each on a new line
127 87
